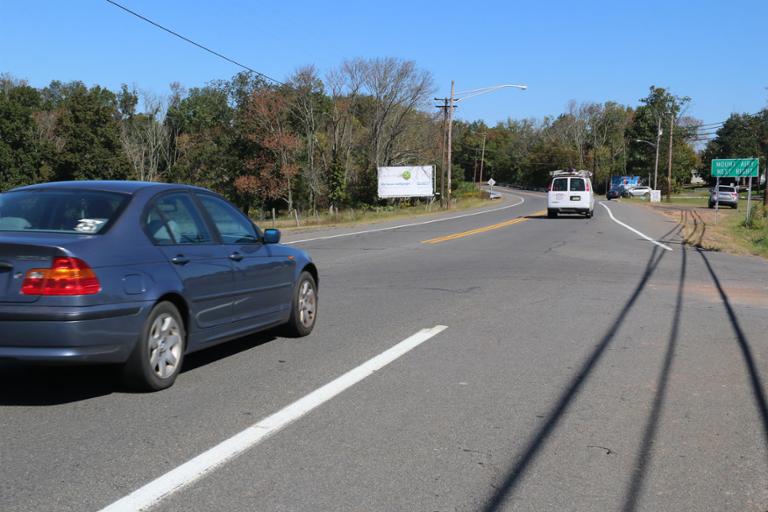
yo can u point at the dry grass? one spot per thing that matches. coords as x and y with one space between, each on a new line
729 233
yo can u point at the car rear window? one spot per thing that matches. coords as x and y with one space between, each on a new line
577 185
727 189
560 184
82 212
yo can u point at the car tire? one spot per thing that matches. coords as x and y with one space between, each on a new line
552 214
589 214
158 355
303 307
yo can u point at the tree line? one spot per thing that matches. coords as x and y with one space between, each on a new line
315 142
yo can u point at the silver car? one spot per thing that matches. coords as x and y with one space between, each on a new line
725 195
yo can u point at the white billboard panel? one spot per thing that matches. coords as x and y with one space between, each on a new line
410 181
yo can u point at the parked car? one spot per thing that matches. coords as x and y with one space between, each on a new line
570 192
140 274
613 193
640 191
725 195
626 190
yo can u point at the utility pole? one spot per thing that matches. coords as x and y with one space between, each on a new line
669 168
482 159
450 140
656 167
443 167
446 150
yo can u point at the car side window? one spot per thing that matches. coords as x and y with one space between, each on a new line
174 220
233 226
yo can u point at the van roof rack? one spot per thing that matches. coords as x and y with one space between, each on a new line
571 172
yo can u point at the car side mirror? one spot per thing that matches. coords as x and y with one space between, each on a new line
271 236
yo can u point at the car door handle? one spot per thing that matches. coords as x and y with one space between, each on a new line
236 256
179 259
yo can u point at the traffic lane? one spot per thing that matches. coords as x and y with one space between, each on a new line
509 203
701 445
444 427
380 464
407 286
336 253
99 423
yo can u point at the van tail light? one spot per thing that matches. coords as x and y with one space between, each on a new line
551 185
67 276
587 186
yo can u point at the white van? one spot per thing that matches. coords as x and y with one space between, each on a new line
570 192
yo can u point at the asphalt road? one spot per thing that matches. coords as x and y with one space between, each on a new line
582 368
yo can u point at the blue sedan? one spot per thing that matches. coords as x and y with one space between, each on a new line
140 274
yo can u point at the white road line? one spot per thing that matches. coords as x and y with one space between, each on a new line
522 200
194 469
617 221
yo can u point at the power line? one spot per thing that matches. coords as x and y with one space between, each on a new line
194 43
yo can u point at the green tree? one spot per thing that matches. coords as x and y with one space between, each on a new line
22 155
89 127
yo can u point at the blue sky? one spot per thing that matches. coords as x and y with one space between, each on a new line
716 52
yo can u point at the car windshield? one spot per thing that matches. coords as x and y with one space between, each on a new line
62 211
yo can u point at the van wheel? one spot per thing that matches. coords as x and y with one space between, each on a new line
159 352
589 214
551 214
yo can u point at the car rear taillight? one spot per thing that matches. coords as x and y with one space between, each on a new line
67 276
587 186
551 185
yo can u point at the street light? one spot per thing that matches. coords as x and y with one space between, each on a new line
448 106
656 166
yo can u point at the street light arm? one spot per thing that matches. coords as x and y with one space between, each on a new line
485 90
646 141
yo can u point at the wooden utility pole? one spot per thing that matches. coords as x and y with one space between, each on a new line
443 145
482 159
450 133
656 165
446 155
669 167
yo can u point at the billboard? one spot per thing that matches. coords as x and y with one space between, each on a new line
624 182
410 181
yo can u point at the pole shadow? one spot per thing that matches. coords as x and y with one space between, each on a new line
758 389
532 448
645 452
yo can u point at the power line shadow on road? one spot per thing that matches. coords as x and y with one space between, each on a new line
531 449
643 458
758 389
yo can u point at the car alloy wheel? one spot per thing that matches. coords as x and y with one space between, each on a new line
304 307
307 304
158 355
165 345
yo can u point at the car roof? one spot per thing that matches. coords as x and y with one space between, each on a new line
125 187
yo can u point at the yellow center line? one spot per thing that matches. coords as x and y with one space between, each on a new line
483 229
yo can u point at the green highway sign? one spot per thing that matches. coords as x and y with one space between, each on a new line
735 168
